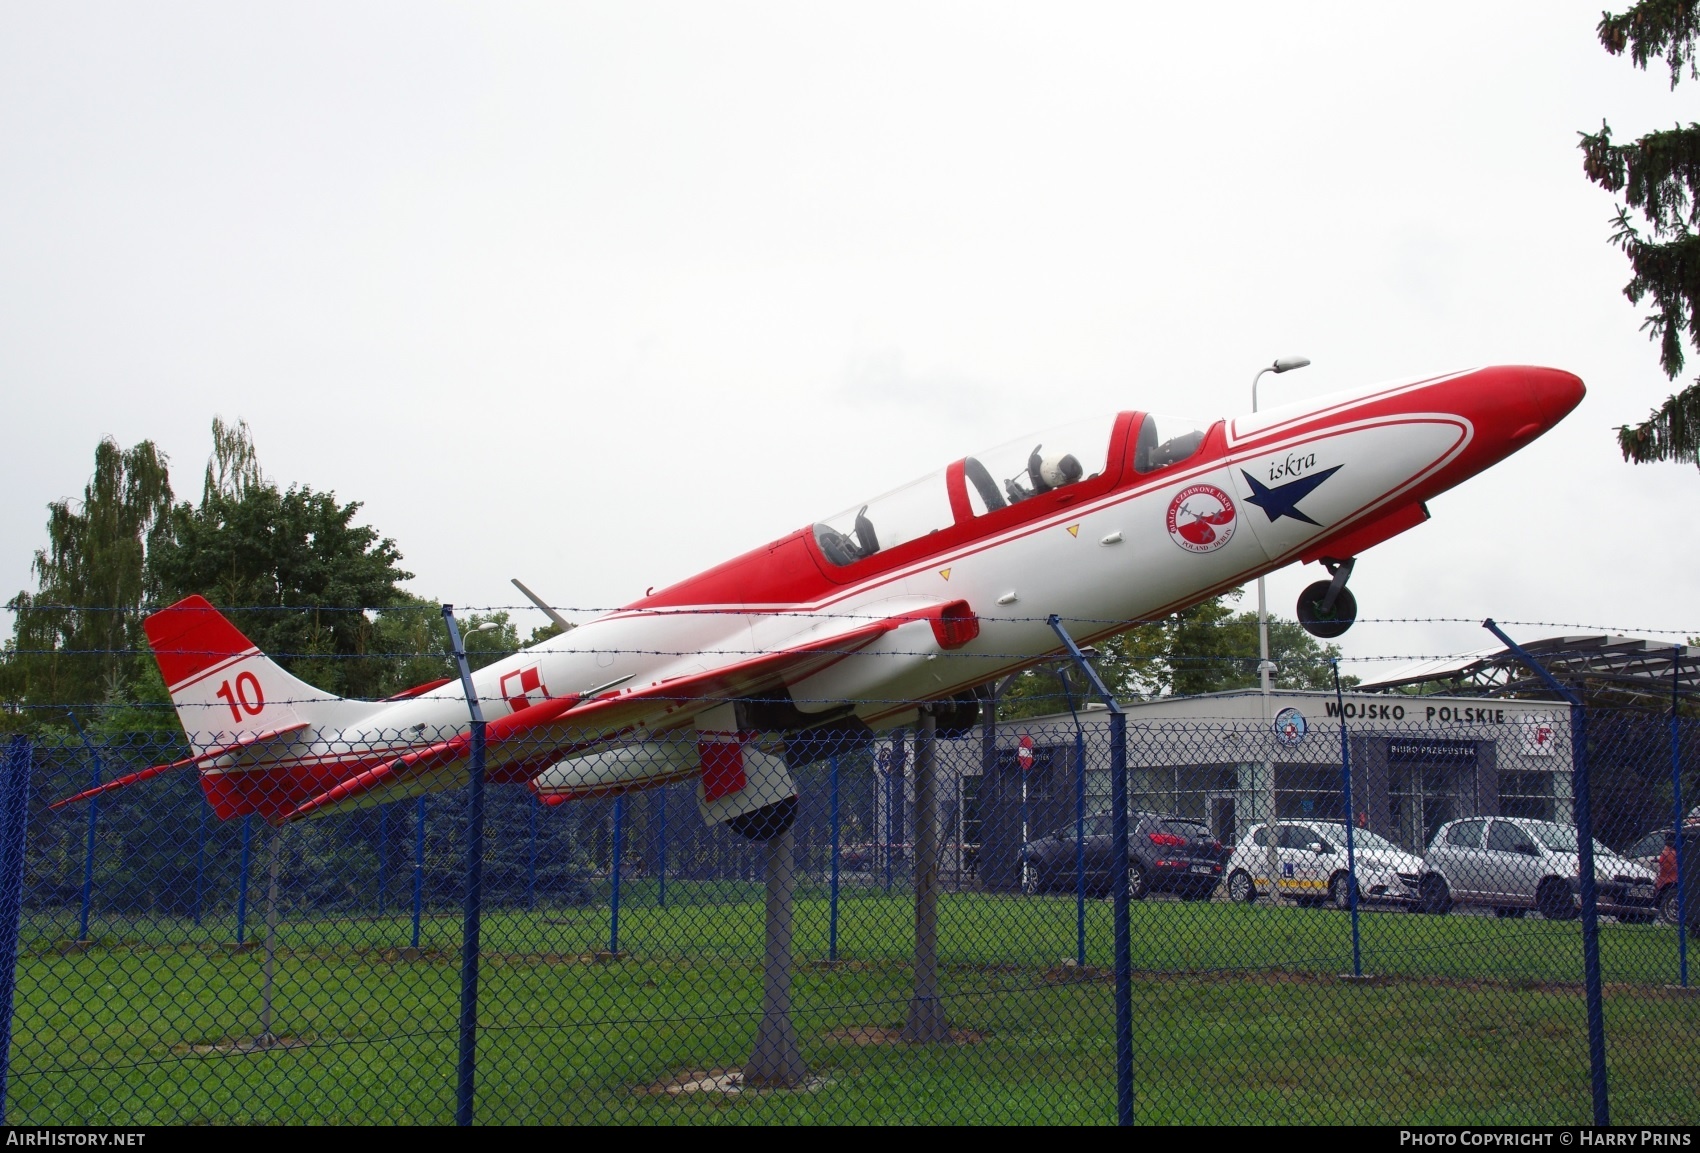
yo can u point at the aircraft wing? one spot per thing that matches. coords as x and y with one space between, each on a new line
522 744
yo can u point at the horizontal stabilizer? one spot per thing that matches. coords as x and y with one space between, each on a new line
157 770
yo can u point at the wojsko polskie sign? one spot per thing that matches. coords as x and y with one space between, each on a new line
1433 714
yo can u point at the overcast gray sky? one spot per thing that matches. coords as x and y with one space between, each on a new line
597 295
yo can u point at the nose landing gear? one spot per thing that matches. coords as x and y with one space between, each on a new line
1328 608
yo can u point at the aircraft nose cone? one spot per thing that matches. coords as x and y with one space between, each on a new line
1556 392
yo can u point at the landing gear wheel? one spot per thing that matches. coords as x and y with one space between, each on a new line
1332 623
1137 885
1340 891
1240 888
1554 901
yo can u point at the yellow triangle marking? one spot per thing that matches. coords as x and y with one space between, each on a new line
1073 530
945 573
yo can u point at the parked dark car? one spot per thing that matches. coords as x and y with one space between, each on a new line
1165 854
1657 851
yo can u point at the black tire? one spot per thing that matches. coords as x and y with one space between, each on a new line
1669 914
1553 899
1332 623
1433 896
1339 895
1507 913
1032 881
1138 884
1241 890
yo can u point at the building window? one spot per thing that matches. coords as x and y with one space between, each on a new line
1526 795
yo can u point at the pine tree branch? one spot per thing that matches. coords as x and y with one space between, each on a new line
1672 432
1652 28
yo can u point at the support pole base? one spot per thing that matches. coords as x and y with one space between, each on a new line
926 1024
777 1061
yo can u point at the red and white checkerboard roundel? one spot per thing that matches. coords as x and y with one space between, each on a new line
523 688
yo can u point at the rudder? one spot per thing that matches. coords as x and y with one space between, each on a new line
226 691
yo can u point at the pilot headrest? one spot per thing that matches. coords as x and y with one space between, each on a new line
1057 471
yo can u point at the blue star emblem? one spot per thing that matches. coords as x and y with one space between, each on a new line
1284 500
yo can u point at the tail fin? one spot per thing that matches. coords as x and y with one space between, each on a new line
227 691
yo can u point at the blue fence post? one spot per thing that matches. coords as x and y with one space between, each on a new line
1585 868
418 872
200 857
661 853
531 860
14 815
242 881
614 877
1080 847
383 855
1123 941
1079 825
1351 822
1026 833
832 888
1676 819
890 773
467 1066
1118 893
94 817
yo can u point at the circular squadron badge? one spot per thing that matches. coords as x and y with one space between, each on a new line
1201 518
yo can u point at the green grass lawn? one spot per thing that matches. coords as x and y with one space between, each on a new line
1239 1016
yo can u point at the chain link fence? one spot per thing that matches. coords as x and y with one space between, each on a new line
1410 946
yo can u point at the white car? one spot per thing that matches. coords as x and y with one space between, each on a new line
1312 860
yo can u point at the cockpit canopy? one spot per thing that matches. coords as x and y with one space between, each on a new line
1001 477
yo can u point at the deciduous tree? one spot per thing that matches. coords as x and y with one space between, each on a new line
75 638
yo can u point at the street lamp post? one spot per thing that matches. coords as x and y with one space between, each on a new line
1265 667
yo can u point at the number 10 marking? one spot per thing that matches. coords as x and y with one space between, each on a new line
247 685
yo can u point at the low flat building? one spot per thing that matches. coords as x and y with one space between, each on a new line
1225 758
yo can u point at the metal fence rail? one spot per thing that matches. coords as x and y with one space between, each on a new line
171 967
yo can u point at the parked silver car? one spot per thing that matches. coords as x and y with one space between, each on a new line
1514 864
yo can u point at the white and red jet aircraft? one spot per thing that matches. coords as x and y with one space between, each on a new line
916 596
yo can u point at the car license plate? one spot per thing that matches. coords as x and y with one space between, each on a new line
1202 869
